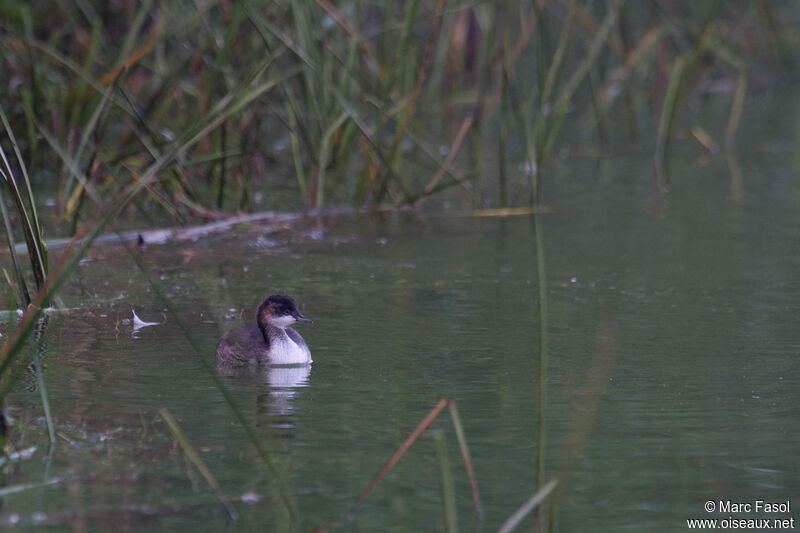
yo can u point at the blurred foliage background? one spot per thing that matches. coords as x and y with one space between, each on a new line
257 105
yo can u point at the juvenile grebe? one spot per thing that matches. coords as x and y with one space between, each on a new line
270 341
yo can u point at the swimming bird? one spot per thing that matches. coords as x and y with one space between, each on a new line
270 341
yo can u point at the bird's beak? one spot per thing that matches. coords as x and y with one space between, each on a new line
301 318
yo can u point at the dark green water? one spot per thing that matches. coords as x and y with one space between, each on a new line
672 373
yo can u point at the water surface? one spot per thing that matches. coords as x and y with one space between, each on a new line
672 365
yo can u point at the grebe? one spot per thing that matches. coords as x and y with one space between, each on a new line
270 341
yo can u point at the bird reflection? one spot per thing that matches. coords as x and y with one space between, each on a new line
283 385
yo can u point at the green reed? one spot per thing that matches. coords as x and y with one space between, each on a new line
26 211
369 98
196 460
447 484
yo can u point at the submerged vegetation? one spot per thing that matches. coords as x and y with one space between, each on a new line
170 113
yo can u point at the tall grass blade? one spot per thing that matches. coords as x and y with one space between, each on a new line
82 73
128 60
568 91
133 33
70 163
667 115
88 131
266 28
297 158
558 55
620 78
368 135
362 44
22 294
440 164
193 456
539 496
37 367
13 292
324 157
223 134
448 487
37 250
627 86
505 111
89 57
467 458
736 111
410 101
541 278
406 34
411 439
35 225
455 146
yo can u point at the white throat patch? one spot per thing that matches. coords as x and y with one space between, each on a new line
282 321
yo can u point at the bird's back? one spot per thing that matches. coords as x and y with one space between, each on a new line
242 346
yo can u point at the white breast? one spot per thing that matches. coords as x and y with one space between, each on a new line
284 351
